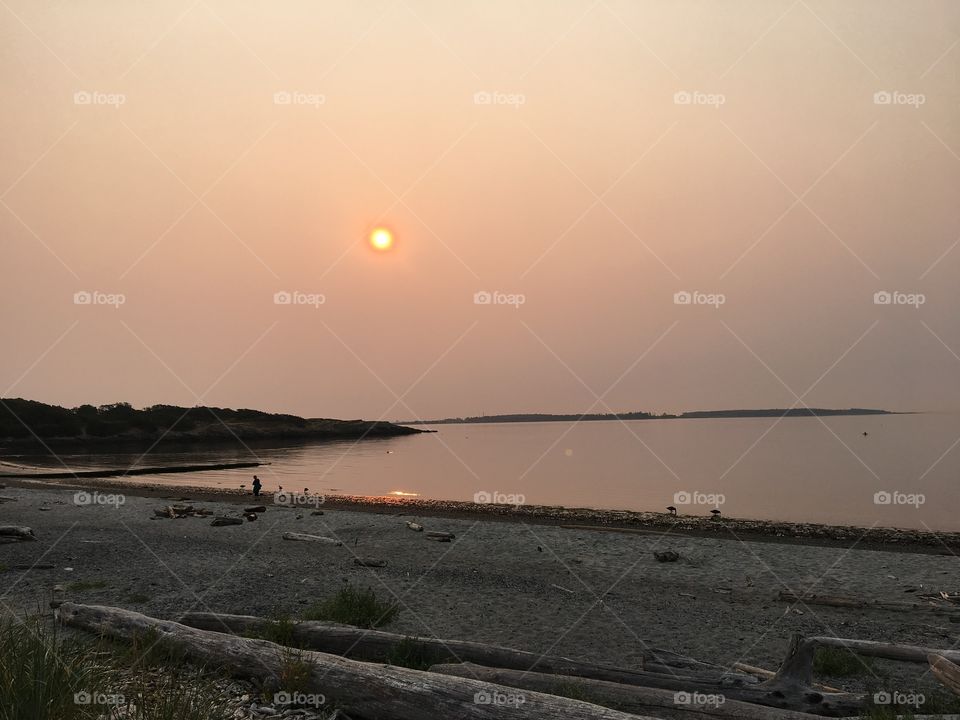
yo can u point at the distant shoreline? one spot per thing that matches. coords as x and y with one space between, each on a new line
640 415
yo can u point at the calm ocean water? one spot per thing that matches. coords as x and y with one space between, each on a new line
905 472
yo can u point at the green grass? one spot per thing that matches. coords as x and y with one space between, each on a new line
839 662
411 653
40 672
351 606
43 673
294 672
82 585
279 630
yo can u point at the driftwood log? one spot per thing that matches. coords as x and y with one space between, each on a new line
440 536
787 690
623 697
303 537
16 533
221 521
375 646
370 691
843 601
799 661
946 672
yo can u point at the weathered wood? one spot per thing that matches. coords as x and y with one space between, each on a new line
624 697
842 601
256 509
221 521
870 648
16 533
946 672
440 536
416 527
370 691
768 674
376 646
303 537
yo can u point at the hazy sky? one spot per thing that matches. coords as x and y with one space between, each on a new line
592 159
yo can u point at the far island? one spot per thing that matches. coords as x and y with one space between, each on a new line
640 415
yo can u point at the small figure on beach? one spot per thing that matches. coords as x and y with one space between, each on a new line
256 486
672 510
716 514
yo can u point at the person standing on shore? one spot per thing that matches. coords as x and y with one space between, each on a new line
256 486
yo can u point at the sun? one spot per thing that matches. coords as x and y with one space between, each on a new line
381 239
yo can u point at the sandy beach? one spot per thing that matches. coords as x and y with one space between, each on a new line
599 596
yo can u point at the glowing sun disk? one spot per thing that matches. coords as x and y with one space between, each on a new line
381 239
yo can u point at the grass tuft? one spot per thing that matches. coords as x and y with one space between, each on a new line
411 653
840 662
351 606
46 675
83 585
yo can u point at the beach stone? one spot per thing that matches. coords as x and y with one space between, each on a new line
666 556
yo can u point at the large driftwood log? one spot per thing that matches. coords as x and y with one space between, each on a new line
375 646
623 697
799 662
946 672
843 601
370 691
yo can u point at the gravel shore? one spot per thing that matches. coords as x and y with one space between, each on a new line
599 596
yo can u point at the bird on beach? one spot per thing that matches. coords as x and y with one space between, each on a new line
715 513
672 510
